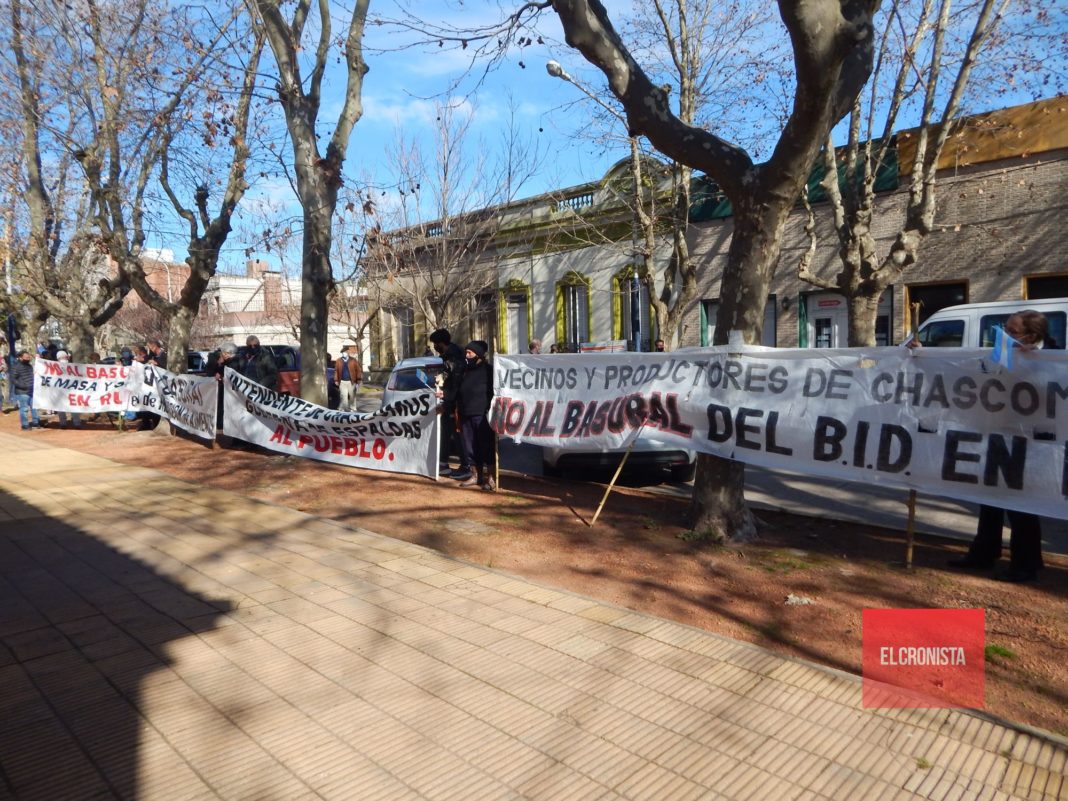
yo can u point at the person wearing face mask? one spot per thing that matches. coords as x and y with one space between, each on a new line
22 381
473 401
64 358
256 364
1030 331
348 373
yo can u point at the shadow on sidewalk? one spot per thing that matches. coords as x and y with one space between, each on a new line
83 627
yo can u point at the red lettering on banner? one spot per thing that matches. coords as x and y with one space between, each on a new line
364 453
77 400
52 368
336 446
304 440
281 436
379 449
352 446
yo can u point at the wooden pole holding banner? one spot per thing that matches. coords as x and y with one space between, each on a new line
619 469
910 526
496 436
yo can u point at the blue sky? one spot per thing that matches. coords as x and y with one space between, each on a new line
403 86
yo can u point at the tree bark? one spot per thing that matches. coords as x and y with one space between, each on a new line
833 49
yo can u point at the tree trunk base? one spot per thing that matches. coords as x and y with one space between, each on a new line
719 513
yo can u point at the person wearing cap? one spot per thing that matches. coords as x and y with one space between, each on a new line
348 373
473 402
63 358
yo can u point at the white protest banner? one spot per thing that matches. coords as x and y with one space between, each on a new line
943 421
189 402
400 438
68 387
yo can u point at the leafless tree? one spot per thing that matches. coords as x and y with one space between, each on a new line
223 126
433 248
928 52
318 174
833 48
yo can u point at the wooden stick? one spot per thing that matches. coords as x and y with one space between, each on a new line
496 438
612 483
910 530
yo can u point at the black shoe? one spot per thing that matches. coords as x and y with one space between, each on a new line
459 475
970 562
1016 575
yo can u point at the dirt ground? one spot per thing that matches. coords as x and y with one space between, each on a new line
634 557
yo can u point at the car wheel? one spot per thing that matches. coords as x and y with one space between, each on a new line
548 470
682 473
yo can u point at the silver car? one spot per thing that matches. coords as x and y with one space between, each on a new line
412 376
681 463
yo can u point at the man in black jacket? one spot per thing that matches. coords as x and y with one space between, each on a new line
453 358
22 381
256 364
473 401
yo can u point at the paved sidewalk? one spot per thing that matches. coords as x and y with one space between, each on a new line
159 640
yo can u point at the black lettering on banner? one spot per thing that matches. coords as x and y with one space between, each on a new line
837 389
827 447
1007 461
937 393
888 436
964 396
913 391
634 410
952 455
860 444
513 418
815 381
1024 398
720 424
772 446
777 379
572 415
878 393
984 395
744 429
1054 392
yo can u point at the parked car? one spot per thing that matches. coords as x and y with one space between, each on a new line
680 463
411 376
197 362
971 325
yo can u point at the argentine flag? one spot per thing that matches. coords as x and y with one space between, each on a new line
1003 345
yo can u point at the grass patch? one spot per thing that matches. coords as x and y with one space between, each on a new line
993 652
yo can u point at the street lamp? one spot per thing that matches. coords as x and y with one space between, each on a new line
557 71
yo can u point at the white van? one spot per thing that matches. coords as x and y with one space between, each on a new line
972 325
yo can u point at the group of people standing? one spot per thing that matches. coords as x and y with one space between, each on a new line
466 392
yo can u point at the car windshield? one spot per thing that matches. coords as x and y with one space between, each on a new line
413 378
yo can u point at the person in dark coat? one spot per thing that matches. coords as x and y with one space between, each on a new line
453 358
256 364
473 400
22 382
1030 330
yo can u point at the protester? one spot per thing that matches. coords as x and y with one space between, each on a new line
473 402
64 358
348 373
553 348
534 347
156 354
22 381
256 364
658 346
1030 330
453 358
